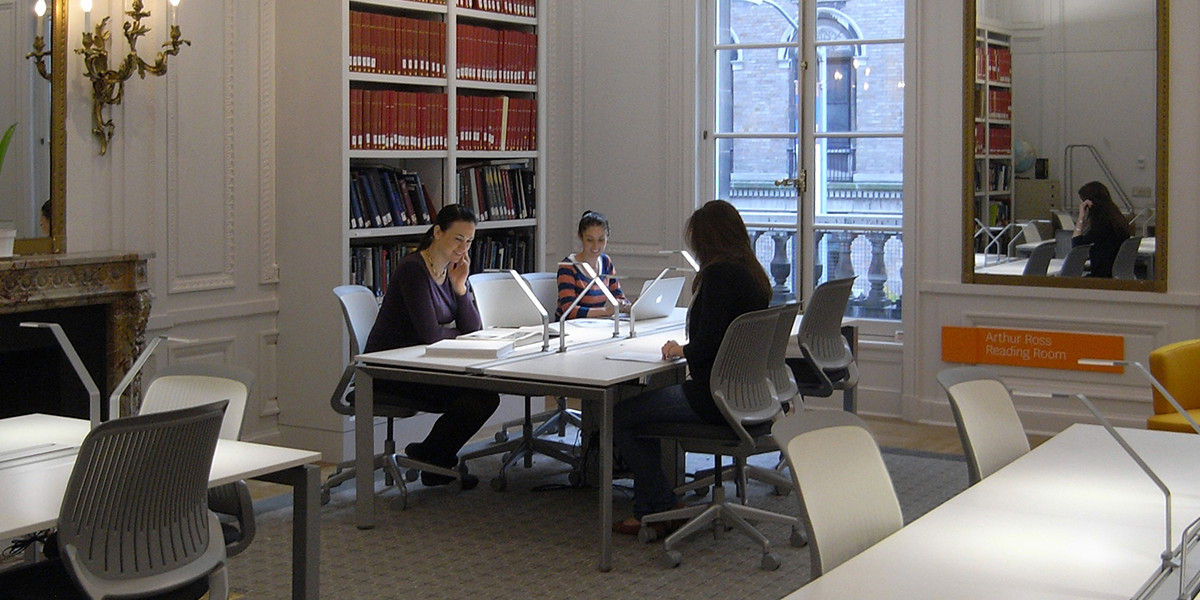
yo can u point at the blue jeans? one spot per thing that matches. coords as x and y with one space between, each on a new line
652 491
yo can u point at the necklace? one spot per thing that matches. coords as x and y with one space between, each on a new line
432 270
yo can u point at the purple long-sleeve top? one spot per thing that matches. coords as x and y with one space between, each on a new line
417 310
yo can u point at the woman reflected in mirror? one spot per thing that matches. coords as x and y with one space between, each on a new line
1102 225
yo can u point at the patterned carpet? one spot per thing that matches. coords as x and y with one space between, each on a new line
528 542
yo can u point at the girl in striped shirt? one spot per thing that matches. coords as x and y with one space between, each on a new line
593 234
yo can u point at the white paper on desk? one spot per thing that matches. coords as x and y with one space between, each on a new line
590 322
649 357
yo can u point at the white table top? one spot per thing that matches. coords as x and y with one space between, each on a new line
1074 518
31 492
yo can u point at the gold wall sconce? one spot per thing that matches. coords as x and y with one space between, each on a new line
108 85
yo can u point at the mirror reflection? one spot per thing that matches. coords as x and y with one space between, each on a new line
1064 143
31 195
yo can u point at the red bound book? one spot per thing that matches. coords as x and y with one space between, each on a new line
354 40
460 38
439 44
423 48
355 117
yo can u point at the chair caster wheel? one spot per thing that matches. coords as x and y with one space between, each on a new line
797 539
501 437
499 483
575 478
411 475
324 497
467 481
770 561
782 491
672 558
700 492
400 503
647 535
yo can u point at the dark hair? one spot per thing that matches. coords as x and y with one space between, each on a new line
716 232
47 211
449 215
591 219
1104 214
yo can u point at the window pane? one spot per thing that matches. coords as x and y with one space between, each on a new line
747 169
860 87
759 88
745 22
870 20
860 176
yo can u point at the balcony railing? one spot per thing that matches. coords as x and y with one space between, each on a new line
874 253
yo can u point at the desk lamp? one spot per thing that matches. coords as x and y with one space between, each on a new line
691 264
1174 560
537 304
69 349
595 280
114 399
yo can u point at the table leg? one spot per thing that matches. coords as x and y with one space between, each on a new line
306 527
364 450
606 472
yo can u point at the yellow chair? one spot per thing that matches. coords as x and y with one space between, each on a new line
1175 365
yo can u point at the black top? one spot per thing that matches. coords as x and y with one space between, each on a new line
416 310
1105 244
726 292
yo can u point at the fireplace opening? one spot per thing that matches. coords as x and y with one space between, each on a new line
35 374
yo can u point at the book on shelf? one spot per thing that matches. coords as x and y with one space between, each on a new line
372 266
469 348
520 8
383 196
397 45
496 55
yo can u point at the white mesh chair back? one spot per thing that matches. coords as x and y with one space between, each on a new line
1039 259
740 380
821 325
846 495
134 518
1123 264
545 287
359 308
1073 264
185 385
780 373
988 425
501 301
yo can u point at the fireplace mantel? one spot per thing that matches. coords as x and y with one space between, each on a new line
116 280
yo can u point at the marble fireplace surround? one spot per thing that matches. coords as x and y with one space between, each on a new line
61 281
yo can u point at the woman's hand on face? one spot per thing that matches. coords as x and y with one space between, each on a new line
457 273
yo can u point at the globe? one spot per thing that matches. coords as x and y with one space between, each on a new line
1024 156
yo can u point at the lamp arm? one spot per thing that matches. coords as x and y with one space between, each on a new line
1168 552
76 363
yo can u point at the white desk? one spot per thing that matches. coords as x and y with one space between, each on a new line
1074 518
31 492
582 372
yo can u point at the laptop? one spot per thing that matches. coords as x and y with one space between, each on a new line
657 299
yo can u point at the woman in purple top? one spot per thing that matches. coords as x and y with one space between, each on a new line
428 300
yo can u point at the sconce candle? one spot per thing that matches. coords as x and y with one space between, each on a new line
86 7
39 8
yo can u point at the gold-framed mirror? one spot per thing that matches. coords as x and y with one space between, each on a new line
42 161
1053 99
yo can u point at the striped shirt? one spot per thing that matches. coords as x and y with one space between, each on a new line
571 282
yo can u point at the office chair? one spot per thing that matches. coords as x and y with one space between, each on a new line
988 425
827 362
847 501
1031 237
134 521
1126 259
502 303
743 391
359 307
1174 366
1075 260
1039 259
186 385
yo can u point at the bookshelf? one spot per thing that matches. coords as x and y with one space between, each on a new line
993 128
386 111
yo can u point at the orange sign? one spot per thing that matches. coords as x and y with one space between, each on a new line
1031 348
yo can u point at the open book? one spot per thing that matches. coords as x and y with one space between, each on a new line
519 336
461 347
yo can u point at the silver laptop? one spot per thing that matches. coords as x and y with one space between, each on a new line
658 298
